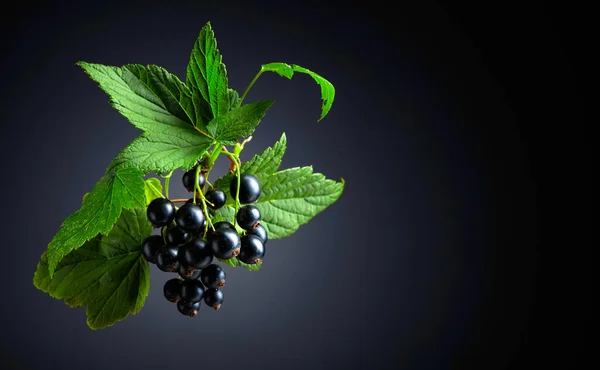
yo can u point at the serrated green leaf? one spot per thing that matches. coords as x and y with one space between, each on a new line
234 262
153 189
287 70
162 152
238 123
234 98
123 189
267 162
207 75
108 275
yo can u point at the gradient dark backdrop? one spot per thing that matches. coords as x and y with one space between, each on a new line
431 259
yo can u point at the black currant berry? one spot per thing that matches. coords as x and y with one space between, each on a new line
224 243
176 237
166 259
188 179
252 250
191 291
188 272
188 308
249 188
259 231
216 197
195 253
213 297
213 276
224 224
151 245
190 218
160 212
248 217
171 290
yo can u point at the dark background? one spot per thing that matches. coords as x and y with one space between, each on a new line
459 242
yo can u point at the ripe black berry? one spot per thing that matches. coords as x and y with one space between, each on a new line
213 276
188 308
166 259
160 212
177 237
224 243
195 253
171 290
261 232
188 272
248 217
189 218
188 179
213 297
224 224
252 250
216 197
191 291
151 245
249 188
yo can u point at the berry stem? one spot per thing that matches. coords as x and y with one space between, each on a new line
167 181
234 157
178 200
250 85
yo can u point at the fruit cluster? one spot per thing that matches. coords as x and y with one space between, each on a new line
187 246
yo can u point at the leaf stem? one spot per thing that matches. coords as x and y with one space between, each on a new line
250 86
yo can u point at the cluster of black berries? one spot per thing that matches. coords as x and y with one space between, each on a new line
187 247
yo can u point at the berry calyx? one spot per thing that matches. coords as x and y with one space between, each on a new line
171 290
213 276
188 179
160 212
259 231
249 188
196 254
190 218
248 217
191 291
188 272
188 308
166 259
216 197
213 297
150 246
224 243
176 237
252 250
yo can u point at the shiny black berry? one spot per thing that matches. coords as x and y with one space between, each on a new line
151 245
248 217
171 290
213 297
195 253
160 212
188 272
249 188
191 291
259 231
224 243
166 259
224 224
252 250
176 237
188 179
216 197
188 308
190 218
213 276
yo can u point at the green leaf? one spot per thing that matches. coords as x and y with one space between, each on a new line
108 275
162 152
234 98
123 189
287 70
234 262
153 189
149 97
267 162
207 75
238 123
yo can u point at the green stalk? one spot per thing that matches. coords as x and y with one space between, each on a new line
250 86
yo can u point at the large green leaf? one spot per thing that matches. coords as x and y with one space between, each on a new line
238 123
123 189
108 275
287 71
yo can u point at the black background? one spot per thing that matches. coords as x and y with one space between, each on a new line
460 240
